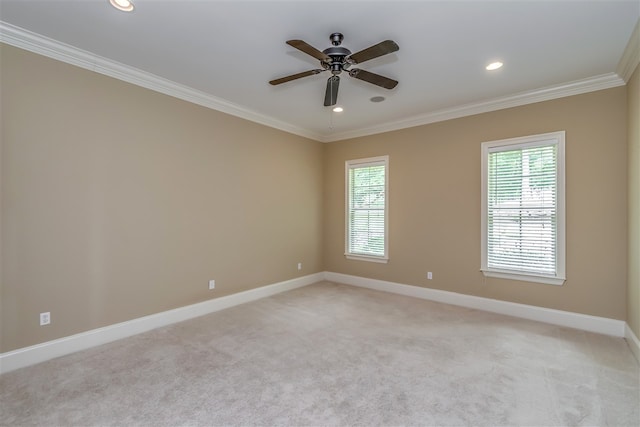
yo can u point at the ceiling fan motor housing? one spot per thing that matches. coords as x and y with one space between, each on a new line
338 62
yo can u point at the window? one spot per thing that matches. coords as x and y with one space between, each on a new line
366 216
523 230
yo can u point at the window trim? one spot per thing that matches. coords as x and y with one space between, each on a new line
351 164
557 138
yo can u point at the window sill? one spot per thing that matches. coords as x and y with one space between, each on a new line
549 280
369 258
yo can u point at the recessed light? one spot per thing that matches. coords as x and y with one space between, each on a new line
494 66
338 109
377 99
123 5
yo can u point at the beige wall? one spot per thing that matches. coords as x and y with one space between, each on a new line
434 198
119 202
633 291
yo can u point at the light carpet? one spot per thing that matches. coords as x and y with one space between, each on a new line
330 354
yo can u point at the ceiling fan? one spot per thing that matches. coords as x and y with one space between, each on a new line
338 59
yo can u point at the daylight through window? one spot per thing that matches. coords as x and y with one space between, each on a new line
523 208
366 216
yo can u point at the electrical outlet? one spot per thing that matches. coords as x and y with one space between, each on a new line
299 266
45 318
212 284
429 275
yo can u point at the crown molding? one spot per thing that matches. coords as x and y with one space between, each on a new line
576 87
631 56
36 43
27 40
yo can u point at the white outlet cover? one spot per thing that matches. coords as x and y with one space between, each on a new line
212 284
45 318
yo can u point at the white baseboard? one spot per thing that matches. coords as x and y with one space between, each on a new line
633 341
585 322
48 350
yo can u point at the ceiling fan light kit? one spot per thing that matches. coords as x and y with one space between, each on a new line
338 59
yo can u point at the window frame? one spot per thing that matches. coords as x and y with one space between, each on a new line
361 163
512 144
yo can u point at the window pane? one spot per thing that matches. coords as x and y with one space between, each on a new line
522 209
366 217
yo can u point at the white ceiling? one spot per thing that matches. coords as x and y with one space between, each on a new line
223 53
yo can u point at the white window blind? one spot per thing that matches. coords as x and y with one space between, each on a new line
366 216
523 204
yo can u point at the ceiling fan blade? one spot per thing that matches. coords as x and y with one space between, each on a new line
374 51
373 78
295 76
308 49
331 95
